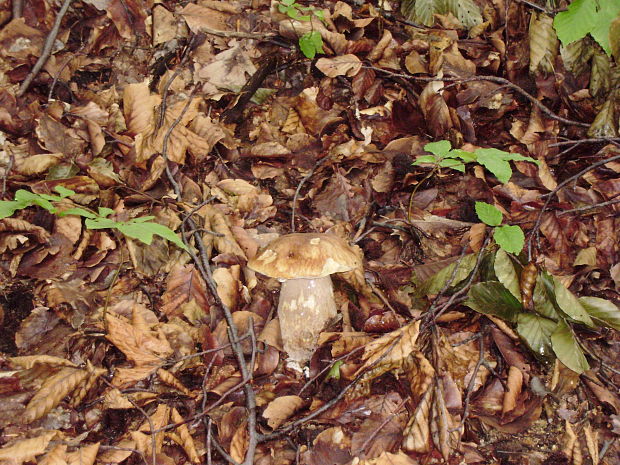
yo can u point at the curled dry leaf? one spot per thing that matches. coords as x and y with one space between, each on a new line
53 390
345 65
281 409
187 442
514 385
26 449
184 284
85 455
417 433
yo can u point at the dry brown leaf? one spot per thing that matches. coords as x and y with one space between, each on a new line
345 65
159 419
56 456
228 282
444 433
85 455
124 449
139 346
164 25
391 348
281 409
139 105
184 284
387 458
186 440
239 442
591 443
26 449
417 433
28 361
53 390
172 381
514 385
271 334
37 164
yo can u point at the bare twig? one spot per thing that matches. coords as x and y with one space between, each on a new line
596 140
300 185
590 207
204 267
47 49
238 35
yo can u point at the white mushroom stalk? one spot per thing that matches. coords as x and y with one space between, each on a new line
306 307
304 263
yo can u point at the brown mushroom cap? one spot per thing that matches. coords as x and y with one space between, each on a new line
305 255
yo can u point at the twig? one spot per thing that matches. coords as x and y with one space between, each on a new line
550 195
204 268
238 35
472 382
595 140
590 207
299 186
47 49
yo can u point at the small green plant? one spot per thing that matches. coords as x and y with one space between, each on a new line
546 323
141 228
494 160
587 17
509 238
311 42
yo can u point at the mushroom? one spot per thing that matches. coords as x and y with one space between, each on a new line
304 263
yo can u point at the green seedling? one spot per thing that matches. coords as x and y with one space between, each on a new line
509 238
141 228
311 42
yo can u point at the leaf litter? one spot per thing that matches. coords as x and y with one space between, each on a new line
209 120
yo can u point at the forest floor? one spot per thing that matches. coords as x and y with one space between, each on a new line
157 147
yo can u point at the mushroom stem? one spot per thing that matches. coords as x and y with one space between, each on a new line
306 306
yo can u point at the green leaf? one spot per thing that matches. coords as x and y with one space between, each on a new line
506 273
144 232
509 238
544 298
288 2
334 371
311 43
453 164
603 312
492 298
426 159
567 348
587 16
100 223
467 157
488 214
103 211
437 282
9 207
78 212
495 164
63 191
536 331
439 148
31 198
569 304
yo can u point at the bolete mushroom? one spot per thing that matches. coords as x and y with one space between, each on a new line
304 263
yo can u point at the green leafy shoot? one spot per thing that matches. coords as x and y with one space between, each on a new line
142 228
311 42
587 17
509 238
494 160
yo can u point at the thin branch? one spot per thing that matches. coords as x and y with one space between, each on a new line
595 140
17 9
204 267
47 49
299 186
